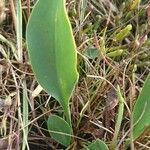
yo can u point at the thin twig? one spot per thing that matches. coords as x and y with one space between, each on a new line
12 6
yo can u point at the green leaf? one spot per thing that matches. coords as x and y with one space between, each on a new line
52 50
97 145
123 33
60 130
119 118
141 111
117 53
25 115
92 53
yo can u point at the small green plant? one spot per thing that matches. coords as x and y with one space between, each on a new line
53 56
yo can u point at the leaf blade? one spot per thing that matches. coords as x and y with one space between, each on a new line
59 130
141 111
52 49
97 145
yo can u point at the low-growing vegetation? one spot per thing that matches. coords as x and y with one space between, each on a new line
75 74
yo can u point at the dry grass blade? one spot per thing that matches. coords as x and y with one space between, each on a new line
2 11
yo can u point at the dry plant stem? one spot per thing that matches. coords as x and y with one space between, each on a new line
31 103
108 20
13 14
101 51
145 147
89 102
18 105
131 106
2 11
28 6
19 30
20 121
19 117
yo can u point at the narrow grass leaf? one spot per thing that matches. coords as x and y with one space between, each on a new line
119 118
60 130
25 119
52 50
